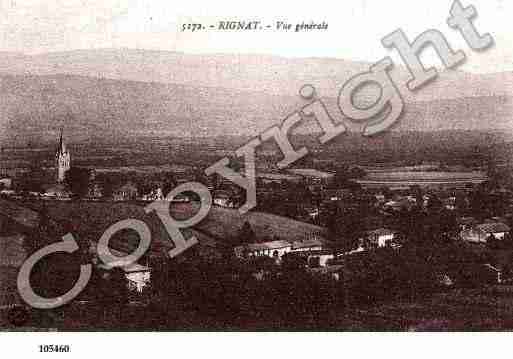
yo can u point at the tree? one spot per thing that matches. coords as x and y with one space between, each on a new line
345 227
169 183
109 183
461 202
492 242
357 172
386 192
34 180
417 192
434 204
77 180
246 234
442 226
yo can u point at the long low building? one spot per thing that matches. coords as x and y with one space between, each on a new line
277 248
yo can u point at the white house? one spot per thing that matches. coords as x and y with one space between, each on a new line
154 195
57 191
223 199
313 244
138 276
271 249
380 237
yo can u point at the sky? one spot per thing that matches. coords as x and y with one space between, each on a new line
355 27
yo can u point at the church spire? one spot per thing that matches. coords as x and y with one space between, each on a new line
62 147
63 159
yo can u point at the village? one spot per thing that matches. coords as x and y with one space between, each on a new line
365 234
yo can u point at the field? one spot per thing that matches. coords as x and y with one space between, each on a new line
93 218
12 256
226 222
422 178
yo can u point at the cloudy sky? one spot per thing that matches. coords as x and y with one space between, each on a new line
354 27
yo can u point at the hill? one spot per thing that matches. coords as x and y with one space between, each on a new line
35 107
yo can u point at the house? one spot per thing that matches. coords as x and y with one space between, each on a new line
495 274
57 191
6 182
481 232
223 199
316 258
95 191
154 195
179 198
313 177
314 244
336 194
137 275
449 203
274 249
312 212
380 237
8 192
480 274
399 204
466 223
127 192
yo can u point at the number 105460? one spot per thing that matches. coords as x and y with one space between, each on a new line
54 349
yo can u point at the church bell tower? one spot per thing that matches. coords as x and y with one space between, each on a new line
62 159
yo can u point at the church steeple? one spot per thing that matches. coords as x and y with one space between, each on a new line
62 147
62 159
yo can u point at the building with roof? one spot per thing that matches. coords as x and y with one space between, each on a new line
223 199
127 192
466 223
380 237
314 244
56 191
275 249
137 275
481 232
313 177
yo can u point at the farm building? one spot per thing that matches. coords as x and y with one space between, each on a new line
380 237
481 232
126 192
271 249
280 247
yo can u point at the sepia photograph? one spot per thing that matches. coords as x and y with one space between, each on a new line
259 167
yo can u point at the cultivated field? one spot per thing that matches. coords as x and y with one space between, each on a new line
421 178
91 219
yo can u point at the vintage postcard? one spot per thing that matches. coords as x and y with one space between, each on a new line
248 167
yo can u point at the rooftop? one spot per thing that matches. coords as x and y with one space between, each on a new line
380 232
495 227
307 243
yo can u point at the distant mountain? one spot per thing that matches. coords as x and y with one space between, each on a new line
133 92
271 74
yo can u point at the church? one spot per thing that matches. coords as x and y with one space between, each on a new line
62 160
62 165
